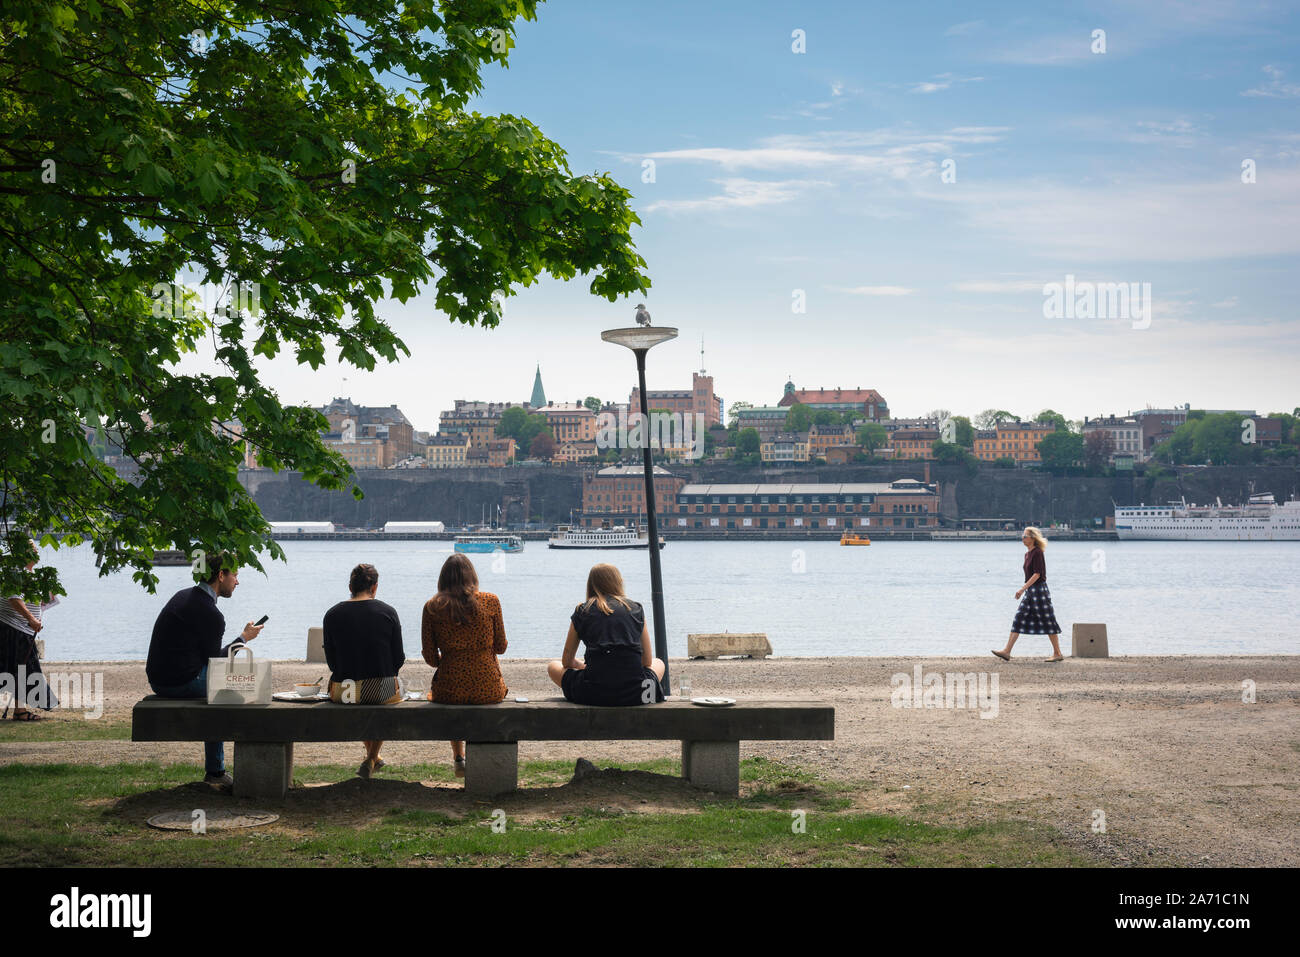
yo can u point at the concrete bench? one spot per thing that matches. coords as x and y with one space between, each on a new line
264 735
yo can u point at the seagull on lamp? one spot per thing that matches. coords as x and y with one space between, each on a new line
642 315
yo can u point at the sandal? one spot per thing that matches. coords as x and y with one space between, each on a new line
27 716
1057 658
379 763
364 771
1004 657
460 767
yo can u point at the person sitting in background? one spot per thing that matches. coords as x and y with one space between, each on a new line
363 648
20 622
619 668
186 634
462 632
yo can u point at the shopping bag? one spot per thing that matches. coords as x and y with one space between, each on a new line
239 679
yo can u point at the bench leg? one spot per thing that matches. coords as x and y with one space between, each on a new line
491 768
263 769
712 765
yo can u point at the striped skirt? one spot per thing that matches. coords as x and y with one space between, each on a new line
1035 616
366 691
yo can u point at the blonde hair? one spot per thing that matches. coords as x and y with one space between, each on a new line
604 583
1039 538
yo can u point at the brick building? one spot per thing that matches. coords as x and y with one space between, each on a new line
699 398
901 504
617 494
913 443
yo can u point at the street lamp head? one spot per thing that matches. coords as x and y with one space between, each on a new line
639 338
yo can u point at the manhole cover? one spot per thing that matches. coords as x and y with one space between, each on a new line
200 820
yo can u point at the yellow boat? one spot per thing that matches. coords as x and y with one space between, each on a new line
853 538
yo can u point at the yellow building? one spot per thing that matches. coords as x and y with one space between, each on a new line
1012 440
914 443
785 447
447 450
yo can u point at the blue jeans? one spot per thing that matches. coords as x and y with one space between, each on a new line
214 752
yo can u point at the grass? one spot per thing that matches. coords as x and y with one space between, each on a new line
66 814
68 726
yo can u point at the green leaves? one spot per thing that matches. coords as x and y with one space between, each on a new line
274 153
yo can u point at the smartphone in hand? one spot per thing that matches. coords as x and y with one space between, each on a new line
262 620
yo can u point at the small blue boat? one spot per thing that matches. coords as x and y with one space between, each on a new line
488 543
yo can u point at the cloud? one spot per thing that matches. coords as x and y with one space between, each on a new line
961 29
1000 285
740 193
1275 87
876 290
942 82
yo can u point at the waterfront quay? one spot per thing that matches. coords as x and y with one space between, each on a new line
746 535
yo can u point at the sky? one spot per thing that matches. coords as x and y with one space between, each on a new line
860 195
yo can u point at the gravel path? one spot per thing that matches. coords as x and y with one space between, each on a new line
1184 771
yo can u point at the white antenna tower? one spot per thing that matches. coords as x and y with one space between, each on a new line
701 355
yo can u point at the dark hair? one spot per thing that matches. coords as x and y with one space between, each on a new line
218 562
363 578
457 585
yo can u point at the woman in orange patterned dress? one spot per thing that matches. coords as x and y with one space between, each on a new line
462 633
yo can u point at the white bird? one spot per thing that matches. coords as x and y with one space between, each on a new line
642 315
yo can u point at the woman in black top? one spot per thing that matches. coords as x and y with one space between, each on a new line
1035 616
363 648
619 667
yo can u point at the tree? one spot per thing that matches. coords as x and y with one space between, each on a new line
1098 446
522 426
733 413
1004 462
1054 418
592 403
872 436
1061 449
323 156
938 415
542 446
991 417
748 442
799 418
965 431
825 417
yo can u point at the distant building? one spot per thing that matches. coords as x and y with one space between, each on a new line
539 394
1125 433
381 434
913 443
448 450
901 504
1013 440
766 420
785 447
617 494
869 402
823 438
699 398
478 420
569 422
501 452
893 425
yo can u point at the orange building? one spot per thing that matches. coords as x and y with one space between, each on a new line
823 438
1012 440
699 398
867 401
569 422
914 443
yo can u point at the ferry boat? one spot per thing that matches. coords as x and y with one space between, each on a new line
620 536
488 543
853 538
1261 519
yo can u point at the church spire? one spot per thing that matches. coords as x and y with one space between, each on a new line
539 394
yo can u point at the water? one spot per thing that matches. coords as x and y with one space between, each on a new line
811 598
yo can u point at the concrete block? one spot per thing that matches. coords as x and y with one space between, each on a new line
712 765
715 645
491 768
315 644
1088 641
263 769
40 648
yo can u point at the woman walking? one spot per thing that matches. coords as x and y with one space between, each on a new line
461 633
1035 616
20 622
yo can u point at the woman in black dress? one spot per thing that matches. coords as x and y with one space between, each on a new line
619 667
1035 616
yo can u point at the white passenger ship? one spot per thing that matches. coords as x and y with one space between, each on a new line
1260 520
620 536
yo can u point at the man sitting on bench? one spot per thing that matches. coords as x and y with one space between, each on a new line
187 633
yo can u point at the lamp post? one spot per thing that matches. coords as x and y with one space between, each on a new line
641 339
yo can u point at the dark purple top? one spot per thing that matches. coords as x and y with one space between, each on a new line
1034 562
